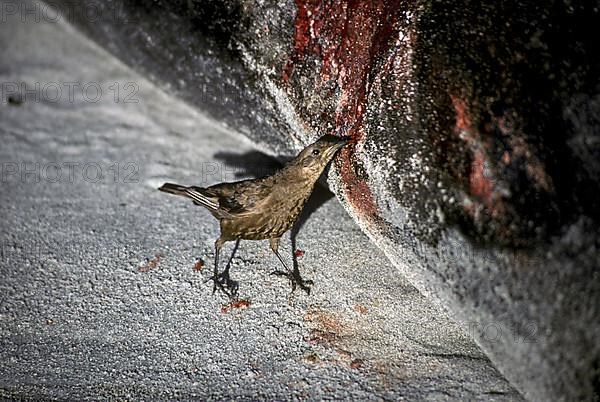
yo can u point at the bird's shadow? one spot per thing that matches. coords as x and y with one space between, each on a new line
252 164
255 164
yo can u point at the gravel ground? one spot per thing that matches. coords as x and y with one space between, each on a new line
101 296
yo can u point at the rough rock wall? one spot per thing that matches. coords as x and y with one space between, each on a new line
476 156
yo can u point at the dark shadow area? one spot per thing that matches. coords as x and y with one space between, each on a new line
319 197
257 164
527 92
252 164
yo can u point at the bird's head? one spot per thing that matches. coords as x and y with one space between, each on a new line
314 158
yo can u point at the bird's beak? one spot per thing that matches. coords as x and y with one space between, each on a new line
336 145
341 142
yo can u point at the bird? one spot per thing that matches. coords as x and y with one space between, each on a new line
263 208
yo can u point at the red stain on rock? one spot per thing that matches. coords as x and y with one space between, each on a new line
358 192
302 36
482 183
481 186
520 149
486 173
349 37
463 120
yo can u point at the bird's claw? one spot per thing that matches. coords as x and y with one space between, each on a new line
296 280
225 284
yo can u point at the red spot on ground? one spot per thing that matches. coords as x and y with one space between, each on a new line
199 265
299 253
359 308
235 305
356 363
150 264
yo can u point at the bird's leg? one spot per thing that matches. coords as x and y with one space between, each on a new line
224 276
275 247
218 247
294 275
222 280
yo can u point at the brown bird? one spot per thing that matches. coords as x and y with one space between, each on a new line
263 208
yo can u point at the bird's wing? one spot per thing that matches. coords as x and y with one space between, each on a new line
199 196
209 200
241 198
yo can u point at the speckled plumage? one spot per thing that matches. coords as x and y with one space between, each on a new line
267 207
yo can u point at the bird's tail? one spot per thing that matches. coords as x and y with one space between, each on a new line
173 188
197 194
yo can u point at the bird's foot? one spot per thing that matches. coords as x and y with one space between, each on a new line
225 284
296 280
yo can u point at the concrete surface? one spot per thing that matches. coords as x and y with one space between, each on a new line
88 312
476 156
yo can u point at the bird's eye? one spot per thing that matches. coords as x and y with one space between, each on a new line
316 152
